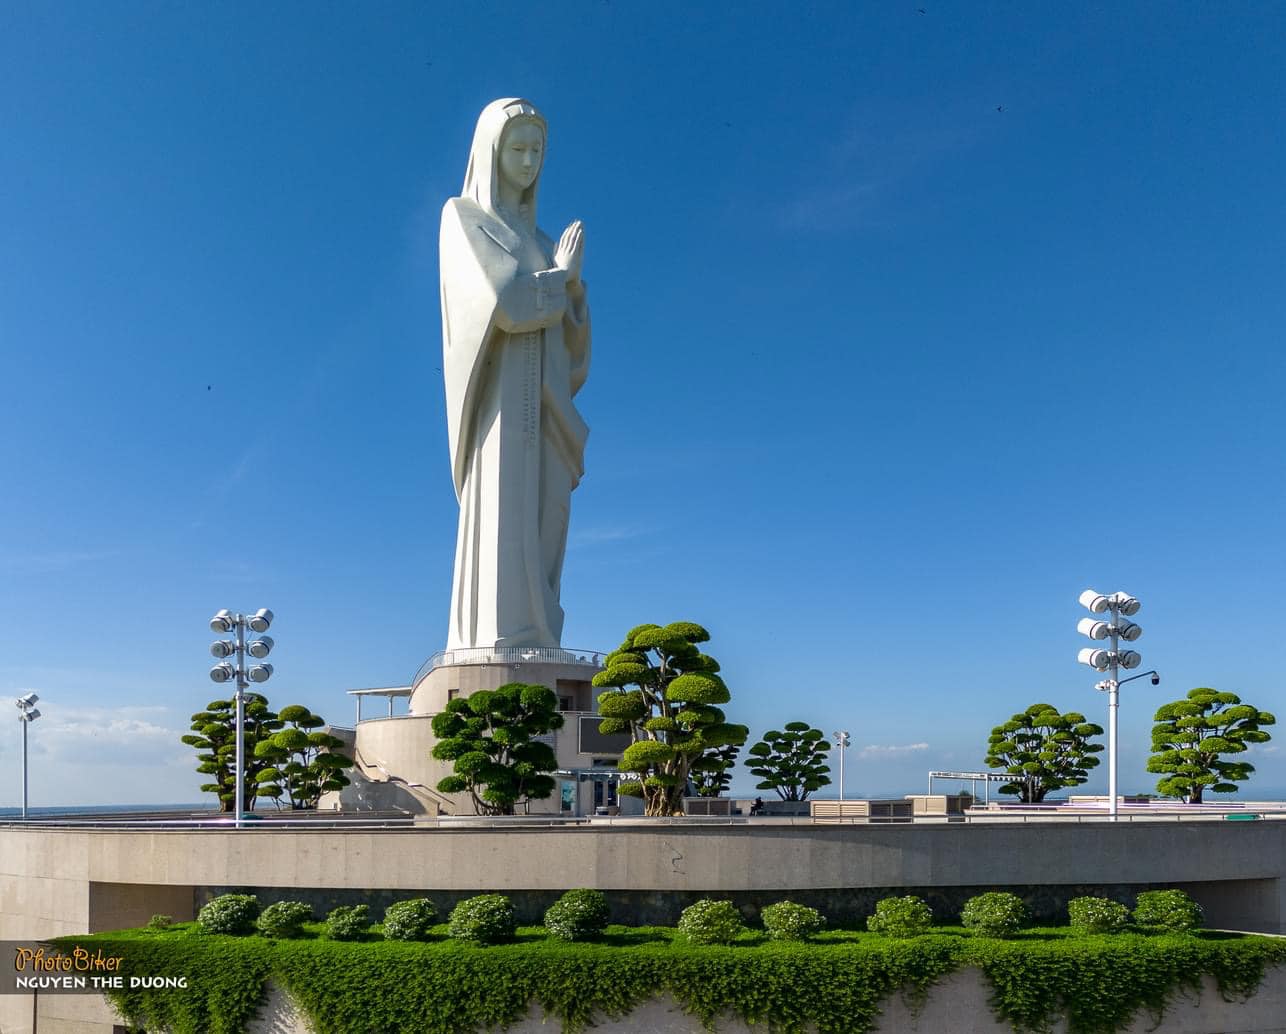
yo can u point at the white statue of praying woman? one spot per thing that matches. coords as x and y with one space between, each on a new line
515 345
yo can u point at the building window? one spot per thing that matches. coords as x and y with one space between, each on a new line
452 694
566 704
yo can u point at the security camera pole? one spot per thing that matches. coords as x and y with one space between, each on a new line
225 621
1121 605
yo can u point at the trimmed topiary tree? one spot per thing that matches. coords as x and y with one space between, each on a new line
304 762
791 761
1170 910
671 713
214 734
232 914
1192 736
711 922
907 916
996 914
1044 751
711 773
491 737
787 921
410 920
284 919
485 919
1097 915
348 922
579 915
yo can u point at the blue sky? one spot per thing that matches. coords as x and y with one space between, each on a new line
907 328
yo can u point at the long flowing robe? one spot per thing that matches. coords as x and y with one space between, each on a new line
516 341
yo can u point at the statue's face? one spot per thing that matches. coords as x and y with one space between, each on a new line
521 151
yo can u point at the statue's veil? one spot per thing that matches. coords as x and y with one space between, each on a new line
481 177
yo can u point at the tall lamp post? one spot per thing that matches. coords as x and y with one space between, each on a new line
27 713
227 670
841 744
1119 607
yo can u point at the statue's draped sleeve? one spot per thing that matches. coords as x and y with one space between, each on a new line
482 295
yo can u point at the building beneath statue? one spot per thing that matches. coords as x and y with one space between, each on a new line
394 769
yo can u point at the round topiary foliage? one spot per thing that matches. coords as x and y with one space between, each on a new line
284 919
233 914
579 915
996 914
348 922
1097 915
787 921
486 919
907 916
410 920
1170 910
711 922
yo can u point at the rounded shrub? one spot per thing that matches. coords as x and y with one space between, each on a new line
348 922
711 922
486 919
1170 910
907 916
1097 915
284 919
410 920
996 914
233 914
159 923
787 921
579 915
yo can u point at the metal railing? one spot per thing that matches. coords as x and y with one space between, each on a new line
509 655
338 822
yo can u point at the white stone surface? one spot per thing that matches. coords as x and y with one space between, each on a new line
515 343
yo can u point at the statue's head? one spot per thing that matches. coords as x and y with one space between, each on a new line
508 143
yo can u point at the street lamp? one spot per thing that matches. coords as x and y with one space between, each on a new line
841 744
1117 607
27 713
235 668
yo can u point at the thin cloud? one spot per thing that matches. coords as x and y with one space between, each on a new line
54 560
856 181
604 534
875 750
117 735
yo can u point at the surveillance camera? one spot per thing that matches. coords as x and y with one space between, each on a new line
1156 679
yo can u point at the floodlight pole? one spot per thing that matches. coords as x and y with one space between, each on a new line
223 622
25 723
242 683
1118 606
1113 707
841 743
27 713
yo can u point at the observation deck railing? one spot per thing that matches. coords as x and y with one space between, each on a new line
592 659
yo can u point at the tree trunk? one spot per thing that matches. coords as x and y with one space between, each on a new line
662 800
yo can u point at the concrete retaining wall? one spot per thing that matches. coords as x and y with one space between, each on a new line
56 881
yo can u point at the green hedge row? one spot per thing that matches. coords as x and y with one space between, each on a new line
835 983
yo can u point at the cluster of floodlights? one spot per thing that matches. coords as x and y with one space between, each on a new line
225 671
235 670
1118 609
